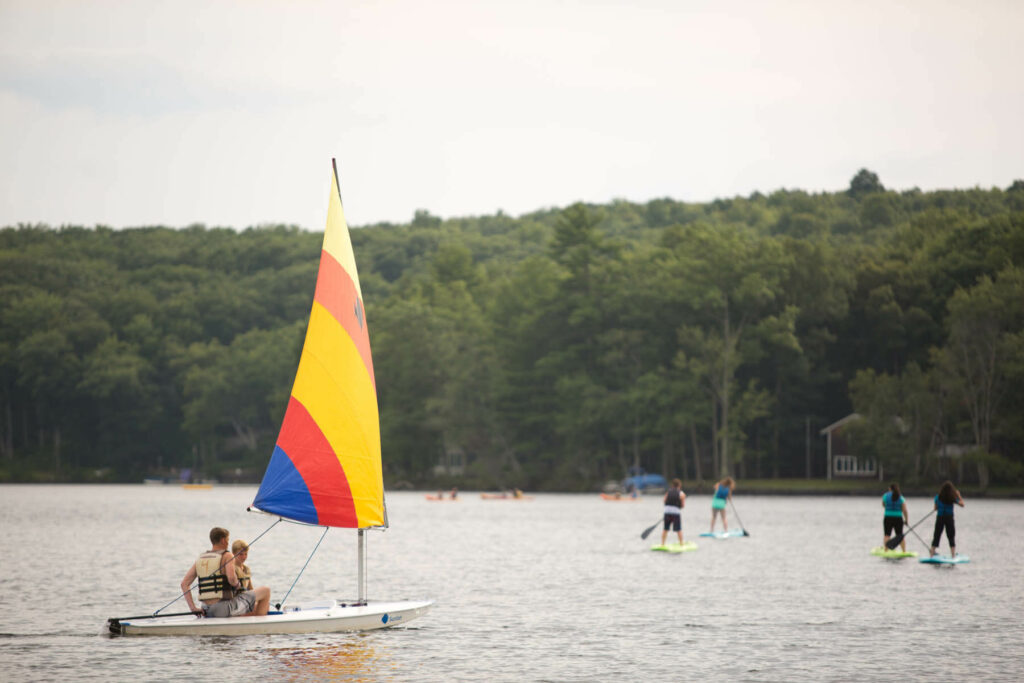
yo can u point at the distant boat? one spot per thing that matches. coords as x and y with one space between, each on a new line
197 486
326 467
506 495
620 497
639 480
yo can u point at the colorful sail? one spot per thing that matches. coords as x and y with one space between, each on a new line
326 466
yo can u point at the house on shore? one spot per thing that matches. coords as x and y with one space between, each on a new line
842 462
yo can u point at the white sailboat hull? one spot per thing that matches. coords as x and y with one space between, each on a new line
324 617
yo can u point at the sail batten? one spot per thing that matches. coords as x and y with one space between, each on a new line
326 465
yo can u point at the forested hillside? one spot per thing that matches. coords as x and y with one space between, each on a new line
547 351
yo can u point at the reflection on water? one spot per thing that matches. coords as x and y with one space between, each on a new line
357 659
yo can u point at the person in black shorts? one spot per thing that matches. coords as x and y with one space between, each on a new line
895 507
674 501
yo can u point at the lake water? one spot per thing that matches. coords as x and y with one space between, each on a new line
557 588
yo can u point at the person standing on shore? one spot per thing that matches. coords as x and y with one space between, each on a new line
674 502
895 515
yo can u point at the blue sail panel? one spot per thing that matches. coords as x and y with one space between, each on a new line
283 491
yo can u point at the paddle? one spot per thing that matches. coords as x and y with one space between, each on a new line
895 540
920 539
648 530
737 516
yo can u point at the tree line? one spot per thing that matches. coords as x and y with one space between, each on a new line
553 350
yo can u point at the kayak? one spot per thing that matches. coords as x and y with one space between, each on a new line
675 547
731 533
503 496
447 500
945 559
892 554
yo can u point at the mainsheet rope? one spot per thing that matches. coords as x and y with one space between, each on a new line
278 605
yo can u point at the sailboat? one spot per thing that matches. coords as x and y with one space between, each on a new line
325 469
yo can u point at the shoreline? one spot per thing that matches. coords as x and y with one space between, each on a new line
761 487
822 487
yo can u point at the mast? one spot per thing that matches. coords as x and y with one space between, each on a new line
337 180
362 566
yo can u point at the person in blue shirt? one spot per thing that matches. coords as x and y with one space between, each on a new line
895 515
948 497
723 492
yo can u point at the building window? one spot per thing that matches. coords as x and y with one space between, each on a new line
851 466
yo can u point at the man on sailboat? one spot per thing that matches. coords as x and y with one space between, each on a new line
219 587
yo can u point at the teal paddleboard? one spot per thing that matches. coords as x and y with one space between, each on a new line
675 547
945 559
731 533
892 554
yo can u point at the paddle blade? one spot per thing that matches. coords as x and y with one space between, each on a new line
746 533
648 530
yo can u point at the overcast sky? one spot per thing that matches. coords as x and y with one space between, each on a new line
130 113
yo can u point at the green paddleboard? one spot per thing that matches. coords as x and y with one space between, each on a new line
675 547
892 554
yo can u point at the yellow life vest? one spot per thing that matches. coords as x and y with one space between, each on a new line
213 582
244 577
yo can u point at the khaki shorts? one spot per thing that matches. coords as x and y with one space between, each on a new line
235 607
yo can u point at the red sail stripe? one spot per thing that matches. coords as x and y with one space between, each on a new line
316 462
336 292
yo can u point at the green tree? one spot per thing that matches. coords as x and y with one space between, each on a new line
732 280
864 183
985 350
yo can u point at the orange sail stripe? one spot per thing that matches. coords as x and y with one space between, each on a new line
336 292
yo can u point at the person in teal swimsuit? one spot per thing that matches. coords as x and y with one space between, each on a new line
895 507
723 492
948 497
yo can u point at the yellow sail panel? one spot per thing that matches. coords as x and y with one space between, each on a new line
333 384
337 242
